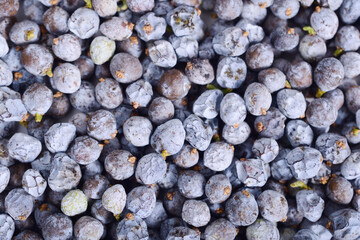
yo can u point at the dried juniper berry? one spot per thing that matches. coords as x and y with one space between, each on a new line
324 15
199 71
88 228
273 205
174 84
305 162
196 213
12 108
255 32
125 68
185 47
102 49
352 98
339 190
191 184
85 150
55 20
117 28
262 229
81 16
336 97
266 149
6 77
59 137
23 147
333 147
350 62
7 228
218 188
57 226
108 93
114 199
132 227
321 113
150 169
312 47
310 204
284 38
259 56
74 203
65 173
101 125
198 133
37 60
299 75
236 135
4 177
171 129
285 9
231 72
133 46
299 133
224 42
218 156
120 164
37 99
150 27
272 78
182 232
207 105
347 38
139 93
137 130
138 6
271 125
84 99
9 8
160 110
141 201
228 9
291 103
257 99
345 224
242 209
33 183
328 74
24 32
67 78
253 12
105 8
19 204
220 228
186 21
95 186
252 172
162 54
187 157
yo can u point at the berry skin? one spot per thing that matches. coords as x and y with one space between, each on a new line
74 203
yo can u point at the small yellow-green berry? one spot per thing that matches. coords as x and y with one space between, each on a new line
74 203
